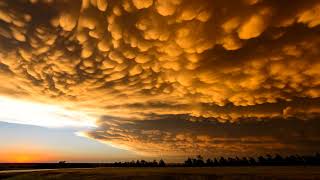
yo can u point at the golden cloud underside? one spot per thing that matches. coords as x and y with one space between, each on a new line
177 135
220 59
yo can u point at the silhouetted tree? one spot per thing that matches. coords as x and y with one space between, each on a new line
138 164
162 163
199 161
154 163
223 161
209 162
252 161
188 162
261 160
245 161
143 163
278 160
216 162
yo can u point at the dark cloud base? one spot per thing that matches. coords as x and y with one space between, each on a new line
183 135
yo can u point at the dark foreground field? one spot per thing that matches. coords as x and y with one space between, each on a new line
171 173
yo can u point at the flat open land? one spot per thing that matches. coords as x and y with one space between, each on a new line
169 173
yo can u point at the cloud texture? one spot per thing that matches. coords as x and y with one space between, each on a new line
141 59
192 136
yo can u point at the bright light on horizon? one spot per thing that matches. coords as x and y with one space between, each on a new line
45 115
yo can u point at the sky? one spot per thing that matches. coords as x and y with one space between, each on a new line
106 80
25 143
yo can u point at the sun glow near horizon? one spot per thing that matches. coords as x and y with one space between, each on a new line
23 153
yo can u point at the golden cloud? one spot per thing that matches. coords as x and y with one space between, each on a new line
131 58
181 135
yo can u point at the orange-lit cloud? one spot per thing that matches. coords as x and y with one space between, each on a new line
130 59
181 135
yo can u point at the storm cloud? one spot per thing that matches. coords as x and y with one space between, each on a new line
183 135
135 59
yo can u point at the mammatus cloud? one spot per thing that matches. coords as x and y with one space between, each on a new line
130 59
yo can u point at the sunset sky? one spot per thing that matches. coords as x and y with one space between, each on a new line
110 80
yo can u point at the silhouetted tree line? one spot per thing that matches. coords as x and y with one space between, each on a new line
268 160
64 164
137 163
199 161
140 163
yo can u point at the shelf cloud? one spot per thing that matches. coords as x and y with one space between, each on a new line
182 135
